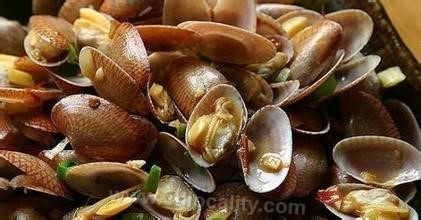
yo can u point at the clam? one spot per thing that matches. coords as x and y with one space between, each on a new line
69 11
48 40
124 10
167 38
98 179
287 188
276 10
215 124
38 175
266 157
371 85
188 80
363 114
28 97
338 176
239 13
11 35
283 91
99 129
228 44
309 121
70 84
50 7
357 28
378 160
161 61
175 153
359 201
295 21
272 68
173 200
64 155
229 201
112 82
266 25
10 138
315 48
282 44
256 92
405 121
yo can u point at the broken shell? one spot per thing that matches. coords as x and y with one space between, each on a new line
363 114
276 148
276 10
124 10
228 44
98 179
309 121
178 11
283 91
175 153
11 35
378 160
405 121
314 47
296 21
357 28
70 9
99 129
223 107
111 81
167 38
48 40
182 204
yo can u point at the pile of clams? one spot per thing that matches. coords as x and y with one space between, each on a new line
175 109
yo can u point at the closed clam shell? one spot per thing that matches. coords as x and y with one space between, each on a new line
314 49
167 38
177 11
378 160
11 36
112 82
100 129
276 10
69 11
128 51
311 17
228 44
188 80
239 13
266 25
278 141
357 28
346 188
175 153
405 121
55 32
98 179
363 114
283 91
207 105
124 10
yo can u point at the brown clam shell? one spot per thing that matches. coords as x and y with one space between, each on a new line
338 176
282 44
43 7
124 10
309 121
178 11
276 10
266 25
283 91
37 120
239 13
11 36
363 114
287 188
28 97
99 129
111 81
314 49
9 135
128 51
167 38
188 80
228 44
39 176
69 11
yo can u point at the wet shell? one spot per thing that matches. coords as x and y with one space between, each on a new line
124 10
283 91
99 129
239 13
282 44
278 141
28 97
311 17
70 9
228 44
37 120
266 25
9 135
357 28
276 10
378 160
309 121
178 11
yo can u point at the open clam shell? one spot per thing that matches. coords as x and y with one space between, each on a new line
124 10
182 204
228 44
309 121
282 44
100 129
70 9
112 82
28 97
357 28
283 91
344 189
48 40
226 136
266 25
276 10
276 145
239 13
98 179
405 121
308 18
175 153
378 160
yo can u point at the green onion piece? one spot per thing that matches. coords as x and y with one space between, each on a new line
181 131
391 77
327 88
72 54
136 216
151 183
283 75
63 168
